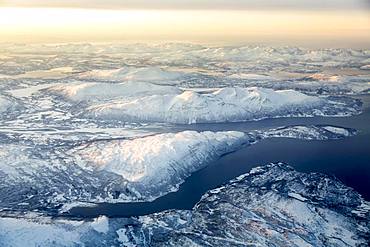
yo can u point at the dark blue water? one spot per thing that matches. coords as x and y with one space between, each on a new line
347 159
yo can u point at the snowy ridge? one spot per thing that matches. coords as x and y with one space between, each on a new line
272 205
85 91
145 74
154 165
222 105
307 132
252 77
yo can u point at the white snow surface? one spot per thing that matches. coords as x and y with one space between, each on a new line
85 91
123 239
159 162
222 105
145 74
249 76
16 163
309 132
101 224
23 232
337 130
4 104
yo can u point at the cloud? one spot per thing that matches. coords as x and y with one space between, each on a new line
198 4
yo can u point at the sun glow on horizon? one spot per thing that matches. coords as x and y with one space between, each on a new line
74 25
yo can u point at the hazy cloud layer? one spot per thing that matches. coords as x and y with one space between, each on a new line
197 4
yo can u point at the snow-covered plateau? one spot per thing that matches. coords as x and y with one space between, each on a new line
272 205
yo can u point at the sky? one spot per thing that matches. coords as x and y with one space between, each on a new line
323 23
196 4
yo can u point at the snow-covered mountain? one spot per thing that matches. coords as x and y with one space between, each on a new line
272 205
154 165
148 102
145 74
87 91
122 170
222 105
319 132
315 71
140 169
